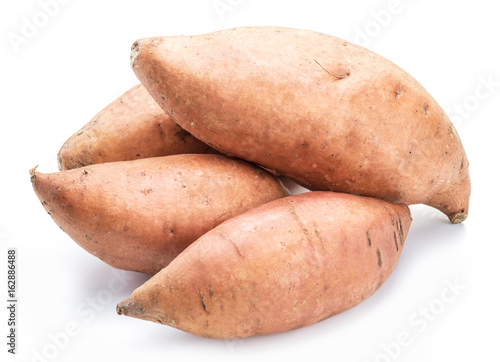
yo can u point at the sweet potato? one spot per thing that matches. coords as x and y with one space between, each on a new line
131 127
138 215
280 266
329 114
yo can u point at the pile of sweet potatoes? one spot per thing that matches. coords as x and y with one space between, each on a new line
181 178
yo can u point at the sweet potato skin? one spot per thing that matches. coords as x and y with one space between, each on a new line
280 266
138 215
328 114
131 127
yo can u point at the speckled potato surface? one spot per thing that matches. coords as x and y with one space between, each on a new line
131 127
283 265
330 115
139 215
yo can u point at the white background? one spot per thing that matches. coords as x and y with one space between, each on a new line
77 62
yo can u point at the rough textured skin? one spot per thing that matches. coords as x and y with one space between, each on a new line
139 215
280 266
329 114
131 127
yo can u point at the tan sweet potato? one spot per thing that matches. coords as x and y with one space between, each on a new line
280 266
138 215
131 127
329 114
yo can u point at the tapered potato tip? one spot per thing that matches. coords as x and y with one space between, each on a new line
458 217
136 48
222 305
32 174
141 48
42 183
133 51
129 307
66 159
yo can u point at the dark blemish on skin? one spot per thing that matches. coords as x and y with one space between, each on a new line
400 229
182 135
162 133
396 241
138 155
426 109
368 237
399 92
203 304
379 258
86 172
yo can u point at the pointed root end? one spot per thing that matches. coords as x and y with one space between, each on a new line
133 53
130 308
458 217
33 174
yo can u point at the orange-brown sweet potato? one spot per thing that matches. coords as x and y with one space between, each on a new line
131 127
139 215
280 266
329 114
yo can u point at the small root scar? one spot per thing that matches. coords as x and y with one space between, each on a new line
399 91
426 109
